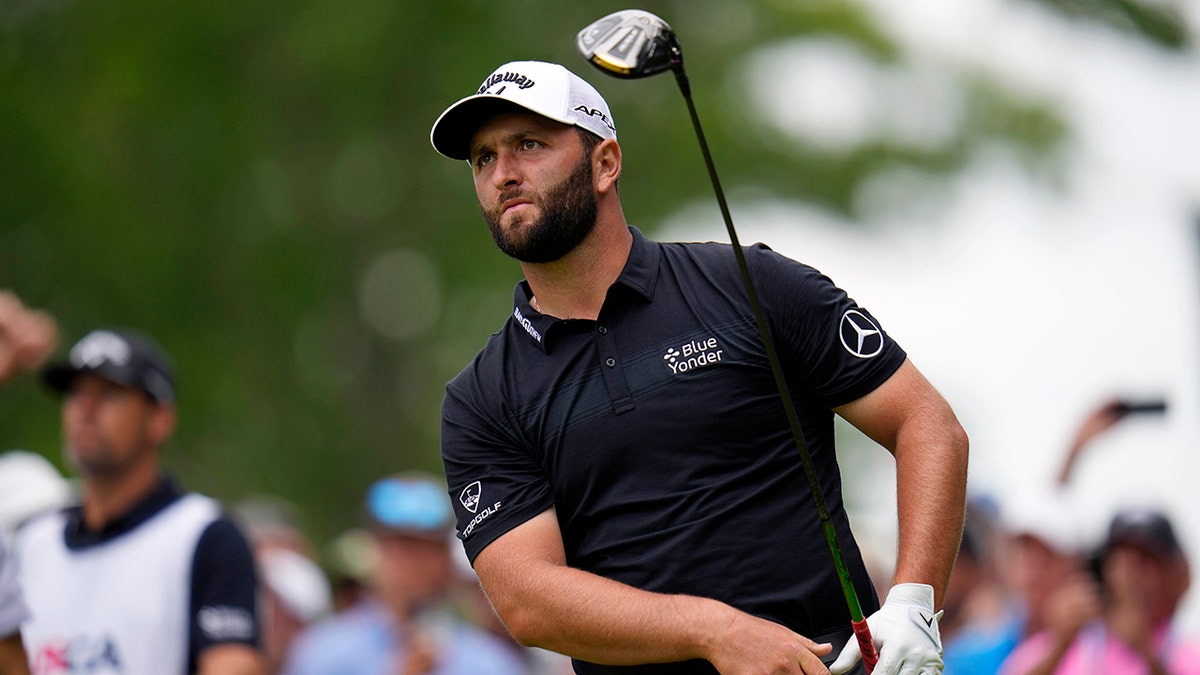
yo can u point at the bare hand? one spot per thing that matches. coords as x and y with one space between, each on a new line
420 654
755 646
27 337
1100 420
1097 422
1074 603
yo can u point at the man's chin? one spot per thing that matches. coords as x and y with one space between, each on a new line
95 465
515 237
518 221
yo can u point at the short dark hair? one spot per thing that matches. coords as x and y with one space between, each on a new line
589 141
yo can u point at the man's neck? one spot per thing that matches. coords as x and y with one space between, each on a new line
106 499
575 286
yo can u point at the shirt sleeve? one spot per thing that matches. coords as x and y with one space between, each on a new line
495 482
223 607
832 348
12 602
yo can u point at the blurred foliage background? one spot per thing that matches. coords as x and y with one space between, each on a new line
252 183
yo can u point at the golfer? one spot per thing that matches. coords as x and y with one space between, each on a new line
624 476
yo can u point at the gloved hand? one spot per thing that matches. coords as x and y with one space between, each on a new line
905 632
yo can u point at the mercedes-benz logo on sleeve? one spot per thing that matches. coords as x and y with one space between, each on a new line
860 336
470 496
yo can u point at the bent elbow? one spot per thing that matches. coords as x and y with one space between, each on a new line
525 625
960 440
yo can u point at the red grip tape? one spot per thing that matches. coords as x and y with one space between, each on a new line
866 646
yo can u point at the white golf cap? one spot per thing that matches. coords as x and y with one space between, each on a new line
547 89
298 582
1050 516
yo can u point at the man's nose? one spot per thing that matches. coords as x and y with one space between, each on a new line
84 402
506 171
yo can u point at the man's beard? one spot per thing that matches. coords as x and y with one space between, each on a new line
97 459
568 217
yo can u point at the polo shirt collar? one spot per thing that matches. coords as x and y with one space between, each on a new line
78 535
641 270
534 323
639 275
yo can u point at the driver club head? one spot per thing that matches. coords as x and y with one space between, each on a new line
629 44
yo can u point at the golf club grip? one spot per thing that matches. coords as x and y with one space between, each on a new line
866 646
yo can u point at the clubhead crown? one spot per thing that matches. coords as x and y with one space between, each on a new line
631 43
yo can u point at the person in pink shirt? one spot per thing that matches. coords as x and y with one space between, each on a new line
1124 624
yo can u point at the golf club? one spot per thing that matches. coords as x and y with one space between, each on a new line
632 44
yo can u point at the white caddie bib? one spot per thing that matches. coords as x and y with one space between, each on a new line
118 607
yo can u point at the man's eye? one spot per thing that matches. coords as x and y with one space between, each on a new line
483 160
529 144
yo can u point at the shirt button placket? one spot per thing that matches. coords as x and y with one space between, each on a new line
614 378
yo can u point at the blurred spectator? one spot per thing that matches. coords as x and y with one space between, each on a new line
295 592
27 338
29 485
273 522
1043 555
1038 554
141 577
1040 561
404 626
1101 419
351 558
1143 575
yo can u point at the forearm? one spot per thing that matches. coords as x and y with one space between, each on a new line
545 603
596 619
910 418
931 474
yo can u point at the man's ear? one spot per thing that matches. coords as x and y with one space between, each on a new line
162 423
606 164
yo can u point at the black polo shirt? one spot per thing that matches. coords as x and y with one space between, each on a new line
658 435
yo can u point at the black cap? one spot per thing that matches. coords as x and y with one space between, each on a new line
125 357
1147 528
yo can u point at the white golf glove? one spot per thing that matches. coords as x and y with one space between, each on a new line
905 632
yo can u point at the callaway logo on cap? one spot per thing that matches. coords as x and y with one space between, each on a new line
547 89
126 357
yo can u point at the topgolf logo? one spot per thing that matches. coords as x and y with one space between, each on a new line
693 354
470 496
